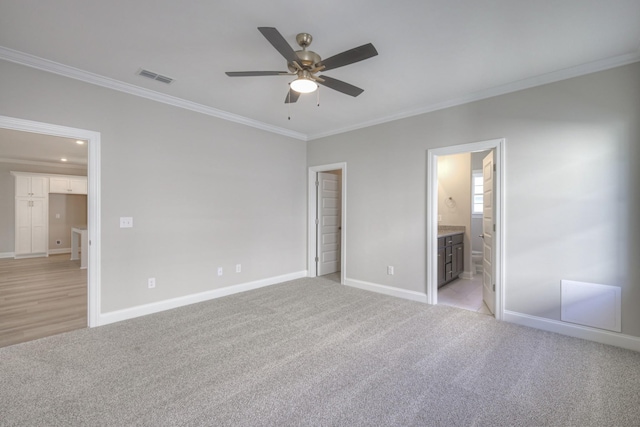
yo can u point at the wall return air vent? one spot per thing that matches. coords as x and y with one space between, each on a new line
154 76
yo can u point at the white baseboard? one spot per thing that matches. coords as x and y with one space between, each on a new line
143 310
467 275
59 251
7 254
572 330
387 290
38 255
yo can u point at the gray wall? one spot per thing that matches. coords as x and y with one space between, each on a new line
203 192
7 197
572 199
206 193
65 211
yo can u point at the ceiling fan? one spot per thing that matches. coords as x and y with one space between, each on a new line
305 64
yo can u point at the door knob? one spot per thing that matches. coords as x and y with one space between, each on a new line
482 236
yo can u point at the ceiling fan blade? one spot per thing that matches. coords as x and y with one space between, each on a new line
256 73
340 86
275 38
347 57
292 97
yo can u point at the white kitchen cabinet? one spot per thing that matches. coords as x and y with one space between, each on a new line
68 184
31 186
32 219
32 226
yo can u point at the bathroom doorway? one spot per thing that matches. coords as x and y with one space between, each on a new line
456 206
461 204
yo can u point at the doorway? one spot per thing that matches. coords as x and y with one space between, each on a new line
327 207
461 209
93 199
495 255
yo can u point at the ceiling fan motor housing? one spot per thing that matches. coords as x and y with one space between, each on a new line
308 59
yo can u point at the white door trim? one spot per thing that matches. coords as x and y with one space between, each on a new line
432 216
93 199
311 218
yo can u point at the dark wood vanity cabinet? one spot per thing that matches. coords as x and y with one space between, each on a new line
450 258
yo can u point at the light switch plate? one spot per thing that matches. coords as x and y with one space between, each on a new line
126 222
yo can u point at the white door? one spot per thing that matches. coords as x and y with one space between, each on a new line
488 221
328 223
39 225
23 226
31 226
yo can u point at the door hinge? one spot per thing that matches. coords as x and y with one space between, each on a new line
317 221
494 167
494 287
494 227
317 259
317 183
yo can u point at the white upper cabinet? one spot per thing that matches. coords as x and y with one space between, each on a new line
68 184
32 186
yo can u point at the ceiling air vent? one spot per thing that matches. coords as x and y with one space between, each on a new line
155 76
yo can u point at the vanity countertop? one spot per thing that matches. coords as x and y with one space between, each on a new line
450 230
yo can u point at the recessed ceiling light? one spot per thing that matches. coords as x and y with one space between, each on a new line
63 160
79 142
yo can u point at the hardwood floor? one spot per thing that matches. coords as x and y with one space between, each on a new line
40 297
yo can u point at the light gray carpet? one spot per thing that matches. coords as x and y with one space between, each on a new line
312 352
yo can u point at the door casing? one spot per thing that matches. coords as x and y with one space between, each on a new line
323 213
93 199
498 145
311 218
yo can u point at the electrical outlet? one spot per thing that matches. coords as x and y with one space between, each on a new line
238 268
126 222
151 282
219 271
390 270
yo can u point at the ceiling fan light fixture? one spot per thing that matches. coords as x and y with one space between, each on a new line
303 84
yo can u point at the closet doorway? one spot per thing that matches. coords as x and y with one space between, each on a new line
327 200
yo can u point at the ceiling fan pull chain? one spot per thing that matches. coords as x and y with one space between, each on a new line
289 105
318 92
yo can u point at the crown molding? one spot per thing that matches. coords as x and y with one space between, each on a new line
39 163
96 79
540 80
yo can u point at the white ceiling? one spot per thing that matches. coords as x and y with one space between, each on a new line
33 147
432 53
